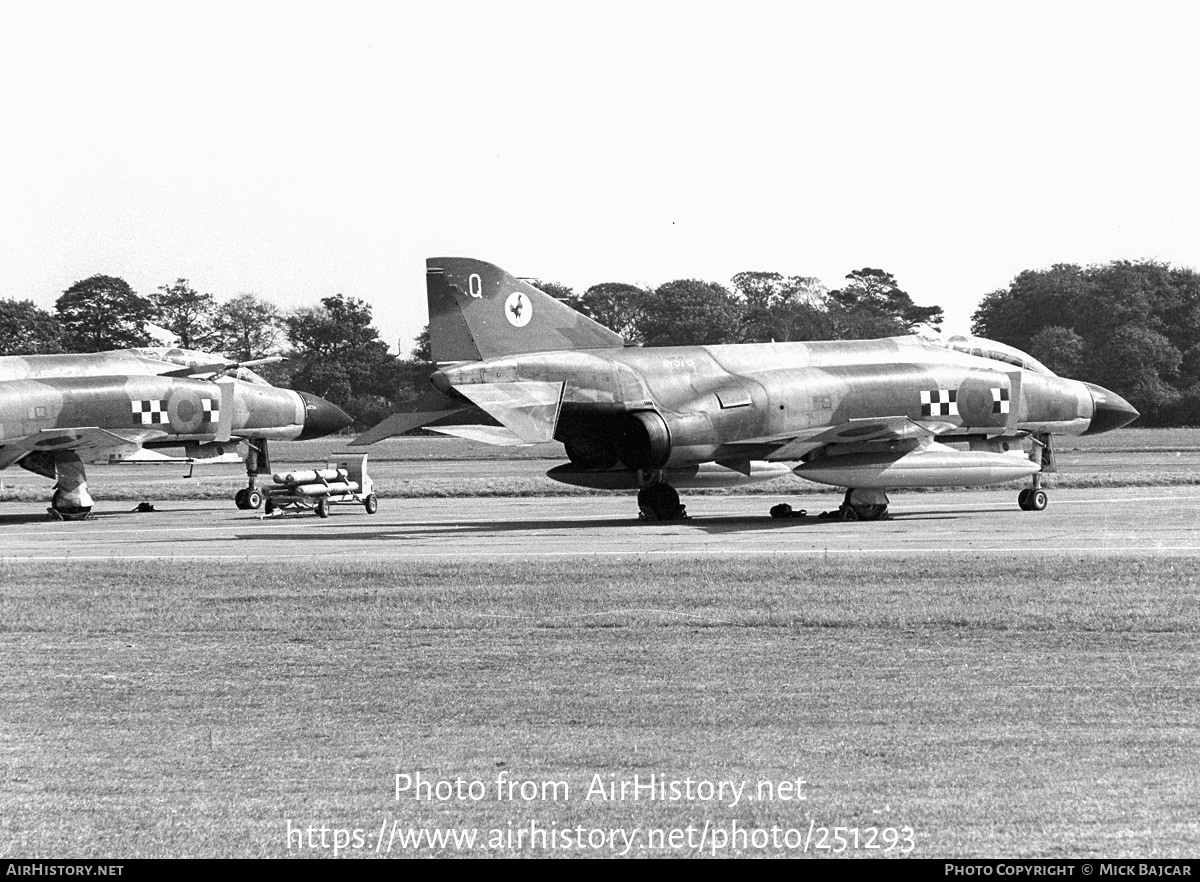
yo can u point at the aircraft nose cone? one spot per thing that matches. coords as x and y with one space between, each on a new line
321 418
1110 411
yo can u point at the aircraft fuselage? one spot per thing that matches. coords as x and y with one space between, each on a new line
717 401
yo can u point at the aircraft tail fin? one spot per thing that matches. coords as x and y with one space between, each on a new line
478 311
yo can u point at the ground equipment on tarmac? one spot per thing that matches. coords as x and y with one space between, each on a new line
340 483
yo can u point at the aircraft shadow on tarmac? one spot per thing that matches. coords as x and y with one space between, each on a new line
25 518
713 525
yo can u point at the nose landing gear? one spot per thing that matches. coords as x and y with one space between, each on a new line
1034 498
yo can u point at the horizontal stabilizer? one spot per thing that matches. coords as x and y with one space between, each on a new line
496 435
431 406
528 409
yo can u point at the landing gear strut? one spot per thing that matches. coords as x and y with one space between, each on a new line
1034 498
660 502
258 462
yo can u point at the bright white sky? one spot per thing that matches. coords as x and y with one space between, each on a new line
298 150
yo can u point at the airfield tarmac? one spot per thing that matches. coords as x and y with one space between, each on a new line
1162 521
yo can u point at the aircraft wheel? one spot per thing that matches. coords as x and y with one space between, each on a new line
668 501
1023 499
322 509
239 498
253 499
783 510
1038 500
371 504
662 501
869 512
870 505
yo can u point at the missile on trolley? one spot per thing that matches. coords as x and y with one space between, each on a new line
317 488
309 476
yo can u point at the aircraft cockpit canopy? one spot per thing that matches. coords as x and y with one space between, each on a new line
983 348
202 362
248 376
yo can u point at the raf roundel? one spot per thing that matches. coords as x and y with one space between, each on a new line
518 309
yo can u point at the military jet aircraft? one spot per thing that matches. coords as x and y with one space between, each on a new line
866 415
56 410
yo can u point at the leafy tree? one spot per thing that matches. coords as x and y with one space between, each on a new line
186 313
873 305
689 312
422 351
1138 364
783 308
1059 349
1131 326
339 327
103 312
618 306
339 356
247 327
26 329
1035 299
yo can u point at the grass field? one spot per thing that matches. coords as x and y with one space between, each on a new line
1041 708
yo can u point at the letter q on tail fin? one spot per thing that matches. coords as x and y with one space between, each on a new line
478 311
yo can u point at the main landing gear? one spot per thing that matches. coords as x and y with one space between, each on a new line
660 502
857 505
862 505
258 462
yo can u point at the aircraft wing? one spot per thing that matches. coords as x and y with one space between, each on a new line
85 440
787 448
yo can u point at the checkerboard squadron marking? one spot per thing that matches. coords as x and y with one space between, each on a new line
149 413
939 402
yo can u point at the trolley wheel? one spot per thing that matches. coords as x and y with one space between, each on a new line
269 506
323 509
371 504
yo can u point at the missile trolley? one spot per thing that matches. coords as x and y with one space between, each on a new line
340 483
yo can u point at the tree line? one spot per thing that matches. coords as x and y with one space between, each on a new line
1132 327
333 350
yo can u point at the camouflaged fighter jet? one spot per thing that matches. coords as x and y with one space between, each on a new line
867 415
55 410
